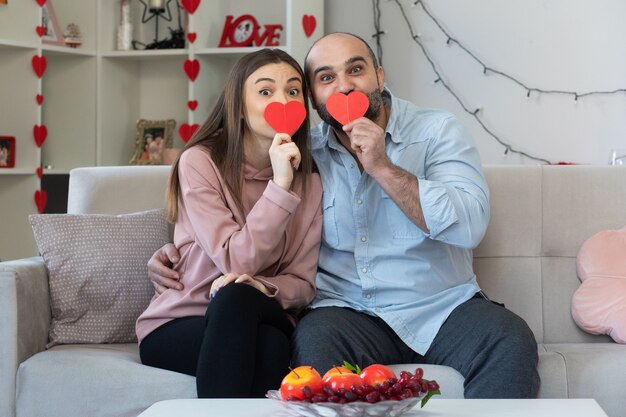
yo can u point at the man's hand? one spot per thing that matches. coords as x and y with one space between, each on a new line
367 140
224 280
161 274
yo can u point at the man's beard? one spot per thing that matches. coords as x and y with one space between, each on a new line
375 99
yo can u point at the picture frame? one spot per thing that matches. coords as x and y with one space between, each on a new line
4 1
52 31
151 138
7 152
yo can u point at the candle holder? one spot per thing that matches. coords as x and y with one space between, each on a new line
156 10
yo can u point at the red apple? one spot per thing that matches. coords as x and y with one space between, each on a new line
376 374
299 378
341 377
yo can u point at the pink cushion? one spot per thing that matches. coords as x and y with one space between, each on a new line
599 304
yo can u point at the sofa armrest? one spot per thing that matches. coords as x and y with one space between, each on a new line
24 320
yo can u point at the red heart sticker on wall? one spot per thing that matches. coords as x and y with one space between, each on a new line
285 118
40 63
192 68
39 98
190 5
191 36
186 131
41 198
40 30
192 104
41 2
39 172
346 108
308 24
40 133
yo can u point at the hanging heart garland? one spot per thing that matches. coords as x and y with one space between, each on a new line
39 172
41 199
39 98
308 24
186 131
192 68
190 5
191 37
41 2
40 31
192 105
346 108
39 63
285 118
40 133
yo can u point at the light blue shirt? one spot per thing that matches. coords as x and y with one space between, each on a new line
373 258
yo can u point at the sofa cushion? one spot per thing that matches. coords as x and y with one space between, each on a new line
599 304
97 266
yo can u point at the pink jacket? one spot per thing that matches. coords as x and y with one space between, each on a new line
277 242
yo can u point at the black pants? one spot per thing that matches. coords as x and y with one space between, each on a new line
240 348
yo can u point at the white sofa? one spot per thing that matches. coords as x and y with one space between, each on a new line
540 217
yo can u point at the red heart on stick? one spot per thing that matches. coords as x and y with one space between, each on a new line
40 63
192 104
39 99
186 131
40 133
41 2
39 172
285 118
190 5
41 198
308 24
344 108
191 36
192 68
40 30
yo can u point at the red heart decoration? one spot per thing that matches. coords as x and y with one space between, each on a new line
190 5
41 198
39 99
192 104
39 172
40 63
40 30
285 118
186 131
192 68
41 2
191 36
344 108
40 133
308 24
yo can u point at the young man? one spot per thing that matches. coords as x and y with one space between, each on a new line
405 201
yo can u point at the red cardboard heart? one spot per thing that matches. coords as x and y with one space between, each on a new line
40 133
186 131
191 36
41 198
308 24
41 2
344 108
40 63
190 5
40 30
192 68
39 172
39 99
285 118
192 104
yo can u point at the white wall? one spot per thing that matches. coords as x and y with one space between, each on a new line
571 45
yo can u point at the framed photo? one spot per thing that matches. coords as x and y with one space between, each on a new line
152 137
4 1
7 152
52 31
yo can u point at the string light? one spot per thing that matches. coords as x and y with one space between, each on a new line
450 40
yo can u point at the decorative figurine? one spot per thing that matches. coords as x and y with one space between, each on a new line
72 36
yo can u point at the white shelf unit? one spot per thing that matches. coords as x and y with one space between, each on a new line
94 94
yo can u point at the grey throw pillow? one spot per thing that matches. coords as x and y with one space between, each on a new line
98 274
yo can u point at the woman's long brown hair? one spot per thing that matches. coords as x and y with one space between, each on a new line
223 131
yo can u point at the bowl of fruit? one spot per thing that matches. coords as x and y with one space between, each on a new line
348 391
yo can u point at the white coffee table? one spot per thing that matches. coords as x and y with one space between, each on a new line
434 408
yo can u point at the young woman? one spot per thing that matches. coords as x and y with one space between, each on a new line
247 209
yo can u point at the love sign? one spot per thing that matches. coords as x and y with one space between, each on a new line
246 31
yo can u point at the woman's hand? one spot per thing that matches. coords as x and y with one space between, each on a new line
285 157
237 279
